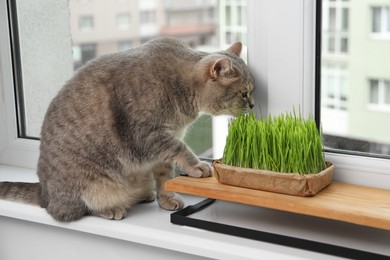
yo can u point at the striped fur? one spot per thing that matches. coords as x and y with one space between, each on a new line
110 138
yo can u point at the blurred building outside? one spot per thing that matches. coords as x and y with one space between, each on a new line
99 27
355 80
355 84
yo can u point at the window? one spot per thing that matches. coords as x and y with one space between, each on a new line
86 23
123 21
355 107
102 38
379 95
380 20
148 17
334 84
335 27
234 28
82 54
148 27
281 57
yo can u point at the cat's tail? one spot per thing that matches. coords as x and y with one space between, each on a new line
24 192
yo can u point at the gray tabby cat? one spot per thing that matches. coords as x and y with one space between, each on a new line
112 134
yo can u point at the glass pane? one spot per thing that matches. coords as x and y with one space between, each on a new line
45 60
358 118
83 30
388 19
86 23
387 92
332 19
228 15
374 92
376 19
344 45
345 19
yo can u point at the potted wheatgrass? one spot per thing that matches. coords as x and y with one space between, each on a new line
282 154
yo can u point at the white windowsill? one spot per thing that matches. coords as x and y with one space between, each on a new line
380 36
379 108
147 224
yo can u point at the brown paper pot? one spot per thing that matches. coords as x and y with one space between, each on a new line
286 183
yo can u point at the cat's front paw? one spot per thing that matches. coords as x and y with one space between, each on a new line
170 201
200 170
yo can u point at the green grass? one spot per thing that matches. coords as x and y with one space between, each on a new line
287 143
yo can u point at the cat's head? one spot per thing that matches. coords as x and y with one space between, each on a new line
229 85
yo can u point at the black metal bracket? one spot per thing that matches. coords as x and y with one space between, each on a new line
181 217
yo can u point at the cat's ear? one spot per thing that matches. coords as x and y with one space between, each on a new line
221 67
235 48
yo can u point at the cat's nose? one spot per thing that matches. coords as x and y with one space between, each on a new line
251 102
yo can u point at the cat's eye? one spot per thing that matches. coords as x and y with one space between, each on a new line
245 94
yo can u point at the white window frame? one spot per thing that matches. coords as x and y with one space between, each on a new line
13 150
381 105
384 33
281 56
338 34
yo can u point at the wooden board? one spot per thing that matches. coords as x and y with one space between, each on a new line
339 201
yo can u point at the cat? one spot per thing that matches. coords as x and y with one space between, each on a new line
112 136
